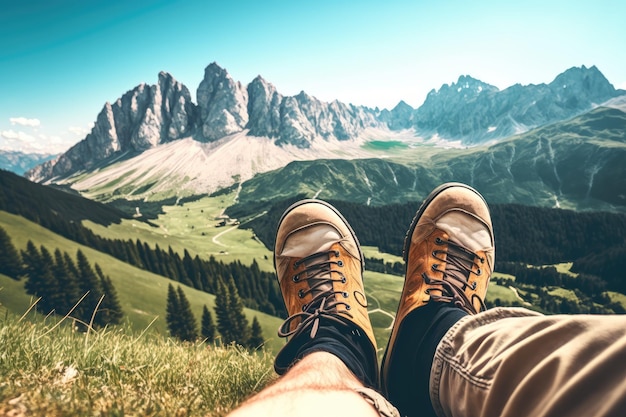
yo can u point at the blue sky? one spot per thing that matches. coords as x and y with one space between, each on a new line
61 61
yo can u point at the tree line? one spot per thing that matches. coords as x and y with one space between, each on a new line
594 241
232 324
64 287
590 290
61 213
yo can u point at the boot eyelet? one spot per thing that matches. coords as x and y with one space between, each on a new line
434 254
345 294
474 285
479 272
304 307
347 306
434 267
438 241
340 263
482 260
336 254
295 278
300 293
343 280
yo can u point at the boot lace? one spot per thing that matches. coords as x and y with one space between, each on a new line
460 264
322 271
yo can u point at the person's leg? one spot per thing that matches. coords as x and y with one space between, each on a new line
512 362
329 363
449 254
318 384
447 357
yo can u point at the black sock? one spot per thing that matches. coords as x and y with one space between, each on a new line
418 336
347 342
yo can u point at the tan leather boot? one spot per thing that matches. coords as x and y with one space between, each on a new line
319 265
449 254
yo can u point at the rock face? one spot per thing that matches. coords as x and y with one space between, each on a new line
469 111
141 119
223 104
398 118
473 112
264 106
302 119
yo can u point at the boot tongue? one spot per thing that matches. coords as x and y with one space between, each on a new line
310 240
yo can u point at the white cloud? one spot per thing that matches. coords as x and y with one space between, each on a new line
12 140
17 136
23 121
621 86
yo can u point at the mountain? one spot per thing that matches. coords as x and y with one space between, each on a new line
36 203
474 112
20 162
155 143
141 119
150 116
576 164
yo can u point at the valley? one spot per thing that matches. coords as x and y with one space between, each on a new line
207 181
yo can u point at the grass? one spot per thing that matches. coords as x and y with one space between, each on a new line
142 294
374 252
192 226
51 370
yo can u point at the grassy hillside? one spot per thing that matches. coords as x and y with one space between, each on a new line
575 164
192 226
48 370
141 293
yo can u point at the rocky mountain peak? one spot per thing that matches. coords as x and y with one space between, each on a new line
578 86
398 118
467 110
142 118
263 108
222 102
464 110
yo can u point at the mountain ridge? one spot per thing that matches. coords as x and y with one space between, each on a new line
577 164
466 111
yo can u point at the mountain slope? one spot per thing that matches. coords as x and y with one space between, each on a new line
474 112
189 167
18 195
142 294
468 112
20 162
575 164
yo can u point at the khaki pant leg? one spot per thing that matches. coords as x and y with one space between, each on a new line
512 362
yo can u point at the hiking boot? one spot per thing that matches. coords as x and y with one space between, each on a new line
449 254
319 265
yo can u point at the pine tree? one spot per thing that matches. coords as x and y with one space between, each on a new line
207 330
89 284
190 326
239 321
40 280
222 312
66 280
110 311
49 288
32 268
10 259
172 315
256 338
